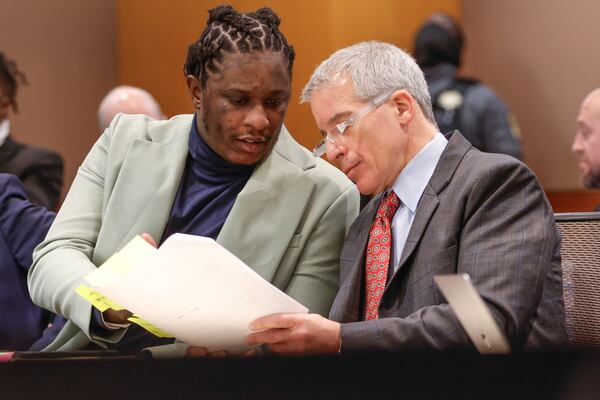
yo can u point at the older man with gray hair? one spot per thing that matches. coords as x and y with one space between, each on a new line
440 207
128 100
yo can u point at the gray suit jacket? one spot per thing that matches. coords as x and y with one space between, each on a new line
481 214
288 223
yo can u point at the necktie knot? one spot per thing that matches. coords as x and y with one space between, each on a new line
388 206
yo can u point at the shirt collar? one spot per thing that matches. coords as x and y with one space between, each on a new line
4 130
410 184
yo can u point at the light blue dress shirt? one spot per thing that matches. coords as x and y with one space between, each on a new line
409 187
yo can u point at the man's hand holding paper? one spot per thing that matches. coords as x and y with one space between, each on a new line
122 316
296 334
191 288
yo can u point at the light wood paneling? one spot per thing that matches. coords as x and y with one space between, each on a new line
574 200
153 39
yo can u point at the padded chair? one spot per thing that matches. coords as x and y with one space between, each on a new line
581 275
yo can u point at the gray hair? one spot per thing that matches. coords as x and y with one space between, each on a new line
375 68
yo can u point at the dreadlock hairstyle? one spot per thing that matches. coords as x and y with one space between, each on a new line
228 31
10 79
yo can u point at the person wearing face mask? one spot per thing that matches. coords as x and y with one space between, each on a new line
231 171
40 170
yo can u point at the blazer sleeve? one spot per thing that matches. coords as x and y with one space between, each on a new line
23 224
316 278
506 243
64 258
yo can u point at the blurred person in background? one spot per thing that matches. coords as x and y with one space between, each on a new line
458 102
40 170
128 100
587 140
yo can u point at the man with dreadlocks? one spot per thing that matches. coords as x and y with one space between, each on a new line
231 172
40 170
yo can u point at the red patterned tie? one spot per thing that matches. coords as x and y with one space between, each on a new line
378 254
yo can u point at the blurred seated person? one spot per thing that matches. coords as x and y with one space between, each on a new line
458 102
128 100
231 171
587 141
40 170
23 225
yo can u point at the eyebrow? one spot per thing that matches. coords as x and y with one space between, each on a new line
339 115
234 90
582 124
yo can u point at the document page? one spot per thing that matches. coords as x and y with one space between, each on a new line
195 290
472 313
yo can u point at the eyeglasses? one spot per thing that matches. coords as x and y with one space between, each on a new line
336 133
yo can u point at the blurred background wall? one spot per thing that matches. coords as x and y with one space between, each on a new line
154 36
68 51
539 55
542 57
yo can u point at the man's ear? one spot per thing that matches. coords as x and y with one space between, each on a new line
405 106
195 90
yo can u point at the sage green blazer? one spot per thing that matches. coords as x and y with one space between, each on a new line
288 223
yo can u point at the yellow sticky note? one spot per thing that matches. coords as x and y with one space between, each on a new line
101 302
119 264
149 327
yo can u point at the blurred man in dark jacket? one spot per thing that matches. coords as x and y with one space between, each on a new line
462 103
40 170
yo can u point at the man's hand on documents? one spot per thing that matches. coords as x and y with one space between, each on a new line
296 334
148 238
120 316
199 351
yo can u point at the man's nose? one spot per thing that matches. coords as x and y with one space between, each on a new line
335 150
576 146
257 118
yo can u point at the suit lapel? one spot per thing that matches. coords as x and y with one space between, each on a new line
449 161
163 178
8 150
149 200
427 206
346 306
267 212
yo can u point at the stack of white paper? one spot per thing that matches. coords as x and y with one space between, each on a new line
192 288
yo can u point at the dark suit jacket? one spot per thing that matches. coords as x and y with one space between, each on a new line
40 170
481 214
22 226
